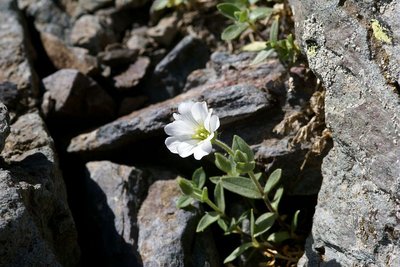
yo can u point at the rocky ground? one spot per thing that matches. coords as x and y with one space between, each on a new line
88 86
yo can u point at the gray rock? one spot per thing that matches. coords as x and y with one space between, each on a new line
67 57
117 56
47 17
167 234
22 243
230 103
170 74
70 94
37 227
139 40
165 31
132 76
91 33
15 54
93 5
356 222
130 3
4 125
115 194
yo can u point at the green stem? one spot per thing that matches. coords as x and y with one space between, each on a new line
224 147
214 207
266 200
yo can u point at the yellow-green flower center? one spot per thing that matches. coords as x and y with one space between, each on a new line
201 133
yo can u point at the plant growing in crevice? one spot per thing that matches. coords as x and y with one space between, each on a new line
194 132
246 15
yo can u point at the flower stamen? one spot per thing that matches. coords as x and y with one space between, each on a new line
201 133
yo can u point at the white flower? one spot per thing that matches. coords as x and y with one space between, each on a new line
192 131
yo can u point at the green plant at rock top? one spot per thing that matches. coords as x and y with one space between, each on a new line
194 131
163 4
245 15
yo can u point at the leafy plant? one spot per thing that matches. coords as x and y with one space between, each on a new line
163 4
194 132
245 16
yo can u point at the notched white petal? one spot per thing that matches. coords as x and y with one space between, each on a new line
202 149
200 112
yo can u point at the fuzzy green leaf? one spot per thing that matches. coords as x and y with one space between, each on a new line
264 223
185 185
273 180
242 186
238 251
277 198
239 144
254 46
233 31
219 196
223 163
279 237
273 35
260 13
184 201
222 224
261 56
199 177
207 220
295 220
228 10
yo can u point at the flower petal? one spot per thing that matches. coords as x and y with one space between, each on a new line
185 149
202 149
214 123
172 144
185 107
179 127
200 112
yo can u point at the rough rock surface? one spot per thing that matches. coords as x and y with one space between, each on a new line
170 74
117 56
235 94
4 125
91 33
15 56
48 16
357 218
167 234
165 31
230 103
132 76
115 193
70 94
36 228
64 56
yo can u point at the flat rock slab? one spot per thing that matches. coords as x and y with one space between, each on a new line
231 104
15 64
37 227
357 217
232 91
167 234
